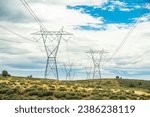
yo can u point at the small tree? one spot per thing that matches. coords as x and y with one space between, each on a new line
5 73
30 76
117 77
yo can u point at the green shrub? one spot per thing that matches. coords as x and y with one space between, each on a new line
10 91
96 97
109 82
52 87
22 83
122 97
30 89
131 85
62 89
77 97
113 97
98 86
33 93
140 83
5 73
68 96
45 93
134 83
59 94
49 98
73 95
39 88
4 90
18 90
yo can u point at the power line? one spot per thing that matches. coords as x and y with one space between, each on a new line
10 41
67 49
41 50
51 54
126 37
141 55
26 5
15 33
42 27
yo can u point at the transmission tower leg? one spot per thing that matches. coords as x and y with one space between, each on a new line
94 73
46 67
100 73
57 75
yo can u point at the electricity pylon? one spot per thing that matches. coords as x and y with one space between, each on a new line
88 72
97 58
68 70
51 41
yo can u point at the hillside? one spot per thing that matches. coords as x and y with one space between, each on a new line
13 88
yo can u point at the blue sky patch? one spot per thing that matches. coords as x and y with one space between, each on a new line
88 27
114 12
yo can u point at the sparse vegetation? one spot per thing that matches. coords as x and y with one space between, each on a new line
104 89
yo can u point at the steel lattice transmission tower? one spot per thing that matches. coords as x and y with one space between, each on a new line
68 70
97 58
51 41
88 72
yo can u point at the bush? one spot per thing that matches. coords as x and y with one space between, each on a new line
49 98
98 86
113 97
31 91
4 90
52 87
68 96
10 91
5 73
62 89
131 85
59 94
122 97
73 95
109 82
134 83
140 83
30 76
18 90
45 93
97 97
117 77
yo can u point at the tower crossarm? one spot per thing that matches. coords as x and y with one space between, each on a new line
51 33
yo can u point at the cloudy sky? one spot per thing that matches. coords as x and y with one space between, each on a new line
95 24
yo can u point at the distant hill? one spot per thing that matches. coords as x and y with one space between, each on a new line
13 88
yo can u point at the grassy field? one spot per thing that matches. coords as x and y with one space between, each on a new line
12 88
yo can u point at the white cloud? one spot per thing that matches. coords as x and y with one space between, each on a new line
125 9
111 7
143 18
118 3
60 15
72 2
137 6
